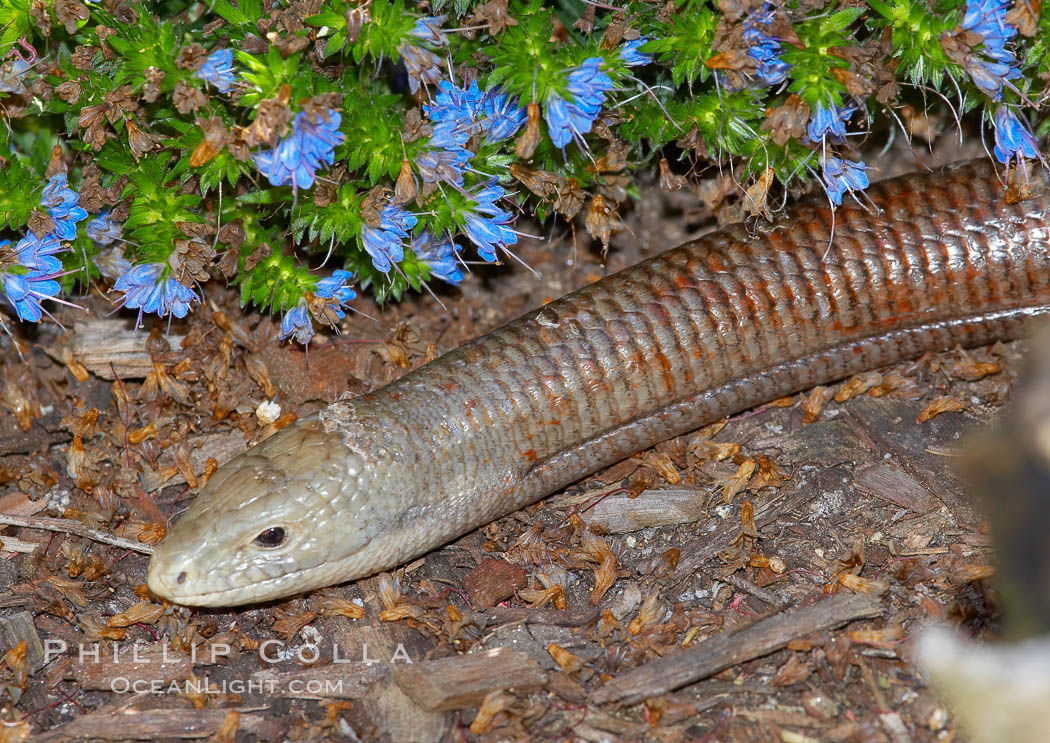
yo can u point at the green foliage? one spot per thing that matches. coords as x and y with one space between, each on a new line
15 21
684 44
331 134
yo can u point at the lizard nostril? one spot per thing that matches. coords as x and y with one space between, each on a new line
182 578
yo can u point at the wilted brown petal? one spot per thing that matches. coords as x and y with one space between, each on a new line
943 404
373 205
40 223
190 57
214 139
154 78
529 139
190 261
787 121
139 140
1024 16
602 221
186 98
68 12
405 189
68 91
739 480
757 193
494 13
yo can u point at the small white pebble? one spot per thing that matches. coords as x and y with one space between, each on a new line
631 541
58 500
268 412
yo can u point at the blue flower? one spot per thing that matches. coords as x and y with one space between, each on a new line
421 65
443 165
763 48
503 116
336 289
454 113
829 120
630 55
1013 138
842 175
38 253
61 204
29 276
218 70
572 118
386 243
987 18
428 29
439 255
12 73
296 322
146 289
103 230
485 224
299 156
460 113
25 292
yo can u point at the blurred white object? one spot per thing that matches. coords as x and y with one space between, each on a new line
268 412
999 693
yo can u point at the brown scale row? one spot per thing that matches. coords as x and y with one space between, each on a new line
725 323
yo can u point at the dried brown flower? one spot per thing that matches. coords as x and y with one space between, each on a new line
585 22
68 12
91 188
140 140
373 205
187 99
214 139
326 189
787 121
356 18
154 78
190 261
602 221
82 57
68 91
40 223
494 14
271 120
42 19
406 188
529 139
318 106
190 57
414 127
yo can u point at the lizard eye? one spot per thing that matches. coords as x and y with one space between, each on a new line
272 537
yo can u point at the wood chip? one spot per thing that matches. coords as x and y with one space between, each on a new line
725 651
19 628
110 348
156 664
464 680
895 485
121 722
492 581
620 513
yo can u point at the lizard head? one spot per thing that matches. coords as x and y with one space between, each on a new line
296 512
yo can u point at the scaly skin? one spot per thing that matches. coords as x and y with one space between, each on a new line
702 331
